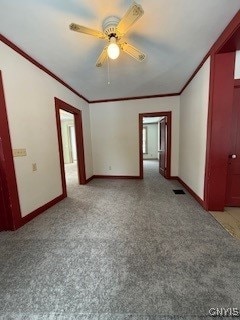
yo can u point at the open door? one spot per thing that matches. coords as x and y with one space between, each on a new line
162 147
233 177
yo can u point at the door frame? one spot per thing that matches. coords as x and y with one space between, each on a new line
168 115
62 105
12 219
4 197
222 65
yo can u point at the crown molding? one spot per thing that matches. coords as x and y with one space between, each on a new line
39 65
135 98
221 45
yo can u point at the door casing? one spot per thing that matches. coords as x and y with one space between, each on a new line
168 115
61 105
12 218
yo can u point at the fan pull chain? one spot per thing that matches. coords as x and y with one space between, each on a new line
109 81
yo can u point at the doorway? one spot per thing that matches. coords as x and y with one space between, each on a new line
155 141
69 147
70 140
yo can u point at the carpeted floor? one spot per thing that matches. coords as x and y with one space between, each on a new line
117 250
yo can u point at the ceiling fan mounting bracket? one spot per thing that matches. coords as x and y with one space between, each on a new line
114 35
109 26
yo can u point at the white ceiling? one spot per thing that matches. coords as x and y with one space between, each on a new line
175 35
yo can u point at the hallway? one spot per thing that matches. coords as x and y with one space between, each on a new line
119 249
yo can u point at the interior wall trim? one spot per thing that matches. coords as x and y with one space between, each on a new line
89 179
173 178
192 193
7 162
99 176
135 98
40 210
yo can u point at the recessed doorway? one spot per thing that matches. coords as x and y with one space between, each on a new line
70 140
155 142
69 147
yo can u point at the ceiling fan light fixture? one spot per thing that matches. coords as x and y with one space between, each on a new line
113 29
113 50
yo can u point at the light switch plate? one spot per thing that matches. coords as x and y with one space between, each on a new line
19 152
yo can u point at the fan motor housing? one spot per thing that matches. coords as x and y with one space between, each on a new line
109 26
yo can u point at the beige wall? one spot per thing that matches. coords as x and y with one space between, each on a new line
152 141
193 130
29 94
115 134
66 142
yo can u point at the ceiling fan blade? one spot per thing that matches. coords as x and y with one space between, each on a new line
91 32
134 13
101 59
132 51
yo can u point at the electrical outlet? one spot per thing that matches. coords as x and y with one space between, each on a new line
34 167
19 152
110 168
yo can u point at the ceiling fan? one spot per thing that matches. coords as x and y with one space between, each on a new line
113 31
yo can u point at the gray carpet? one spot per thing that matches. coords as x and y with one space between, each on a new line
119 249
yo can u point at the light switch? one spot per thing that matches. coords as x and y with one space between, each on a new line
34 167
19 152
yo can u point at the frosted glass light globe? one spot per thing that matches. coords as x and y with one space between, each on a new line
113 49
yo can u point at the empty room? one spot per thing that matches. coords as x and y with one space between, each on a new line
119 159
